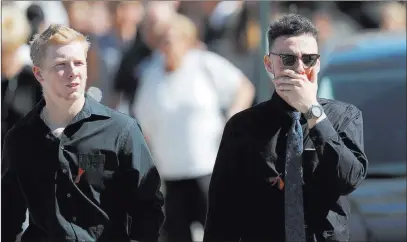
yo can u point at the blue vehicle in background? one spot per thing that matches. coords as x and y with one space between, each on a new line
369 71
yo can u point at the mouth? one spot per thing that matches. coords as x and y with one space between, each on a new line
73 85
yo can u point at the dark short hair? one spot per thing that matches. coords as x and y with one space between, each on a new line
290 25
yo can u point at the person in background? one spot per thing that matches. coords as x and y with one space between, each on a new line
185 96
126 81
80 18
54 11
393 16
36 17
83 170
240 40
19 89
123 18
285 166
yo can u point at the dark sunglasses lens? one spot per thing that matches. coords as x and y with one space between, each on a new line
309 60
289 60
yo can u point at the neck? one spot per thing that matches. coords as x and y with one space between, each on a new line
172 65
60 113
174 60
281 103
11 65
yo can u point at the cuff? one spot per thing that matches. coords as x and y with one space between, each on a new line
323 132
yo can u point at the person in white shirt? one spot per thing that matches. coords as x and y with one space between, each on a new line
186 96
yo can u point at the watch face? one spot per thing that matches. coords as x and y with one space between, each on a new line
316 111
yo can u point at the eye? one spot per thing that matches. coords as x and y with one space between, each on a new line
78 63
288 60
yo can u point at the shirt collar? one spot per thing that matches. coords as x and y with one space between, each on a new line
90 108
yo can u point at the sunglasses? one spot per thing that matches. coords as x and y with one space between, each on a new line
288 60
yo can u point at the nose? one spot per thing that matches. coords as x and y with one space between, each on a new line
300 67
73 71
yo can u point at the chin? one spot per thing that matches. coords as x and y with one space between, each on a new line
74 96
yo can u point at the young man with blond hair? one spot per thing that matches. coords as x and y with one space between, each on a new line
83 170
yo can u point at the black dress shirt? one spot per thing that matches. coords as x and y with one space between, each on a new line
245 201
96 183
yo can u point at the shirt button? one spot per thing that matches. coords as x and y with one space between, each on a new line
62 147
64 170
74 218
68 195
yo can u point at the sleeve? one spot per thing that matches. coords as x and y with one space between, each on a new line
142 196
13 204
222 222
225 76
343 163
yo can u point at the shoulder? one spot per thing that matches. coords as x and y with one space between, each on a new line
339 108
26 125
118 119
126 128
209 56
250 119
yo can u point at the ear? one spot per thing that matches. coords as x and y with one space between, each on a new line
37 73
268 64
314 72
318 67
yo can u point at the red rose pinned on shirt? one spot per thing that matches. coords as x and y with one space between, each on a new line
78 177
276 181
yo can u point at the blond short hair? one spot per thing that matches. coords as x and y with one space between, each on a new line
55 34
14 27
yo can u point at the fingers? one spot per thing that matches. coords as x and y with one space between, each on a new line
314 75
294 75
285 87
287 81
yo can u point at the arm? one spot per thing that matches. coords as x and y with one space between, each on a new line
222 221
234 90
143 198
243 98
343 163
13 205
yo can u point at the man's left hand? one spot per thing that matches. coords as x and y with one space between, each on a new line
297 90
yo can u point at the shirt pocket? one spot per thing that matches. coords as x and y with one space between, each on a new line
92 170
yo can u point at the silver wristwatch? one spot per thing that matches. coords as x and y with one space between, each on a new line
314 112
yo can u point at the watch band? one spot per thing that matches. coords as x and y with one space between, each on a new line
310 115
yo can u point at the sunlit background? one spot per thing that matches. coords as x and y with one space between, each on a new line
363 56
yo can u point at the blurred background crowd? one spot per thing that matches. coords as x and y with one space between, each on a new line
129 43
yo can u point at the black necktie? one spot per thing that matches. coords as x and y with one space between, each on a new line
293 199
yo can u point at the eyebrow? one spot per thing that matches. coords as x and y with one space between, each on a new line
65 58
291 53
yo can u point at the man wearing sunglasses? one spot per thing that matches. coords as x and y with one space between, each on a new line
284 167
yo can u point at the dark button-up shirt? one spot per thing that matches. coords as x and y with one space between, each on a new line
246 200
97 182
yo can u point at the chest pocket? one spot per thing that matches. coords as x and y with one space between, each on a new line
91 169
